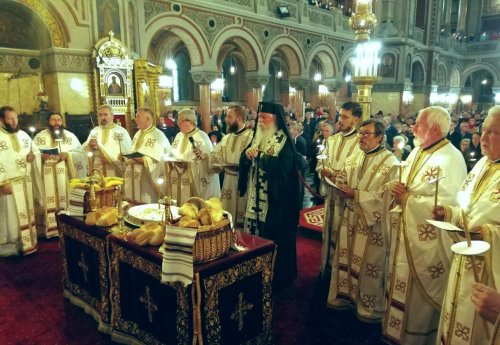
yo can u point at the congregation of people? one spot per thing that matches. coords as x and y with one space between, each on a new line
379 180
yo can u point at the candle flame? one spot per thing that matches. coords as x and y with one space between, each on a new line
401 145
160 180
89 154
32 129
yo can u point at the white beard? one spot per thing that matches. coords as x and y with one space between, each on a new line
417 142
263 135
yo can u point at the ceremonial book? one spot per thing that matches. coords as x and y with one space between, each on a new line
331 183
54 151
134 155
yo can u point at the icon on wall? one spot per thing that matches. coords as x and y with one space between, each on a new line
115 86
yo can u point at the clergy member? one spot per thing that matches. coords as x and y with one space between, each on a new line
62 159
226 157
337 149
359 262
20 182
270 165
188 174
144 166
107 142
460 323
420 259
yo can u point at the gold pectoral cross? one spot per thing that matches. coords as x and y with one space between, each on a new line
83 264
149 305
241 310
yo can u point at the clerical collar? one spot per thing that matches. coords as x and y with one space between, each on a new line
147 129
435 144
350 133
241 130
497 161
191 131
375 150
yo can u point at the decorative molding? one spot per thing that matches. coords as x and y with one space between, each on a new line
152 8
299 83
256 81
491 7
15 61
259 30
204 77
56 61
56 32
306 41
243 3
318 17
205 19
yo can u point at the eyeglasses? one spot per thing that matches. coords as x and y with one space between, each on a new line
365 134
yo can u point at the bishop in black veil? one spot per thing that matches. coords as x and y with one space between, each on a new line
269 169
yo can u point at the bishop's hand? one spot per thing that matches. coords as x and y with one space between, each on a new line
252 152
486 301
398 190
30 157
438 213
6 188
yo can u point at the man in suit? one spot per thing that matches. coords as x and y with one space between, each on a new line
219 120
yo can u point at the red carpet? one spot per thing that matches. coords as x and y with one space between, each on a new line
312 218
33 310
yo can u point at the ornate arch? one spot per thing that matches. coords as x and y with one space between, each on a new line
467 71
328 59
441 68
250 48
58 33
291 51
455 76
420 59
189 33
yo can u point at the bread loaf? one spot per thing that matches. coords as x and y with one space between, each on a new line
143 238
157 239
189 210
134 233
204 217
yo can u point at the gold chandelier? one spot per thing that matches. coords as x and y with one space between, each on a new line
363 20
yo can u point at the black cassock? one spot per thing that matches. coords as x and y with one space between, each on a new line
280 225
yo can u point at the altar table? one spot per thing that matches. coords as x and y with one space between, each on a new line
118 283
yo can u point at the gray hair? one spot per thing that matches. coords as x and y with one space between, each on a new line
438 115
106 106
494 111
189 115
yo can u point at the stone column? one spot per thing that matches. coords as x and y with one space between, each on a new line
255 81
299 84
204 79
462 15
387 27
331 84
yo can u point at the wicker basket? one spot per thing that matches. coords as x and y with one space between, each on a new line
106 197
212 241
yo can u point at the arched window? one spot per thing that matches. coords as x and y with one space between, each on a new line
172 69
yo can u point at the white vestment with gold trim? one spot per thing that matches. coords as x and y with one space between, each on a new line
111 142
227 153
141 180
459 323
359 263
420 256
193 178
17 210
56 175
338 148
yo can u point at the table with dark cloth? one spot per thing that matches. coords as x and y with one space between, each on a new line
229 301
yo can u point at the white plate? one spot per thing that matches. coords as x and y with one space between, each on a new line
148 213
477 247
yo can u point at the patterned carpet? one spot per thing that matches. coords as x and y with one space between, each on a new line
312 218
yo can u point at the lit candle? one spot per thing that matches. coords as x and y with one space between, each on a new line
89 155
437 188
159 181
463 201
32 131
57 132
400 165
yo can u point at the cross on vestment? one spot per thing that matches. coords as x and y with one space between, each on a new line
149 305
83 265
241 310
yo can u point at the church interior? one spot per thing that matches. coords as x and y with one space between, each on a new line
72 56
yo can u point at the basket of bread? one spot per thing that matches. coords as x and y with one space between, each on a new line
104 189
214 235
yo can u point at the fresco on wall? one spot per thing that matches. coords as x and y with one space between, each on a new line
108 14
115 85
16 33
